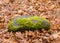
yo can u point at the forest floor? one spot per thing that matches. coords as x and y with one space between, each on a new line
49 9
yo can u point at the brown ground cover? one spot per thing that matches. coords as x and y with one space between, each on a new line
50 9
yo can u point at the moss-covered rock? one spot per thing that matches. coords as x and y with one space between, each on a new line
28 23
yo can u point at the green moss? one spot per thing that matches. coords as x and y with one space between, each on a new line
29 23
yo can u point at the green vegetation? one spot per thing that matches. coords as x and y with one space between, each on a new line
29 23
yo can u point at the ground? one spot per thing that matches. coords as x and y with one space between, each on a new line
49 9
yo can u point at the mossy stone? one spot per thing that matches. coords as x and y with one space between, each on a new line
29 23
